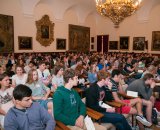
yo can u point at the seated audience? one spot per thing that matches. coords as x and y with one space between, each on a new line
40 92
131 106
68 106
20 77
95 95
144 87
5 96
26 115
57 79
92 74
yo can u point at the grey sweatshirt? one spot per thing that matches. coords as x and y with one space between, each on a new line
144 91
34 118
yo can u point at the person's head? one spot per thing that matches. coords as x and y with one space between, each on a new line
70 77
42 66
22 96
116 75
31 64
19 70
32 76
93 67
103 77
58 70
79 61
47 65
148 78
129 60
4 80
152 69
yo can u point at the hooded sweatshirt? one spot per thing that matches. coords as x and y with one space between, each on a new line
68 105
33 118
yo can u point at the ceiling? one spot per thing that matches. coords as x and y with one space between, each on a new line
82 8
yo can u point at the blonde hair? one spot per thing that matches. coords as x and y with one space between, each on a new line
30 76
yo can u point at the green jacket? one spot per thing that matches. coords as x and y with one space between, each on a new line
68 105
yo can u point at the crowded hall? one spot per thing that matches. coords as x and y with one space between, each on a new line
79 65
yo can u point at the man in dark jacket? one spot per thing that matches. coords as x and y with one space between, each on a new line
95 95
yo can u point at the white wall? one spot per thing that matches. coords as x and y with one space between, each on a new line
132 27
25 25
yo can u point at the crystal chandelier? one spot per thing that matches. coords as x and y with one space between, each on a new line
117 10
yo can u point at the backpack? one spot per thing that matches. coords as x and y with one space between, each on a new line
154 115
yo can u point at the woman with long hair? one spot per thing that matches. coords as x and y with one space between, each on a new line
40 92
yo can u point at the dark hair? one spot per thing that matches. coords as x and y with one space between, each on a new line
57 69
115 72
21 91
69 73
41 62
2 76
148 76
78 60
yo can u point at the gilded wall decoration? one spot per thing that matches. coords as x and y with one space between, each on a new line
45 31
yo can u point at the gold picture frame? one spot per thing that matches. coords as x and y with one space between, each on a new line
45 31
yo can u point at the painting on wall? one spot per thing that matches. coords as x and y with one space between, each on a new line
79 38
25 43
155 41
124 42
92 39
138 43
61 44
45 31
92 47
6 34
113 45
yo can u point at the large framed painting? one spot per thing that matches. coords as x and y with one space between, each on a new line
113 45
138 43
25 43
79 38
45 31
155 41
124 42
6 34
61 44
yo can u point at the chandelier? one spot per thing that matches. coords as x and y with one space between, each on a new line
117 10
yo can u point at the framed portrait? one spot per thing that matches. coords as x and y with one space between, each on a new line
155 46
113 45
92 39
61 44
45 31
79 38
139 43
92 47
6 34
124 42
25 43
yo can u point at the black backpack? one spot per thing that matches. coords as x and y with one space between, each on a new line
154 115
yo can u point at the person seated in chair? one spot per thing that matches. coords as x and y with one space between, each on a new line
95 94
131 106
145 87
68 106
26 115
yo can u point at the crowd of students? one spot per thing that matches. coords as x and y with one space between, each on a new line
27 80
